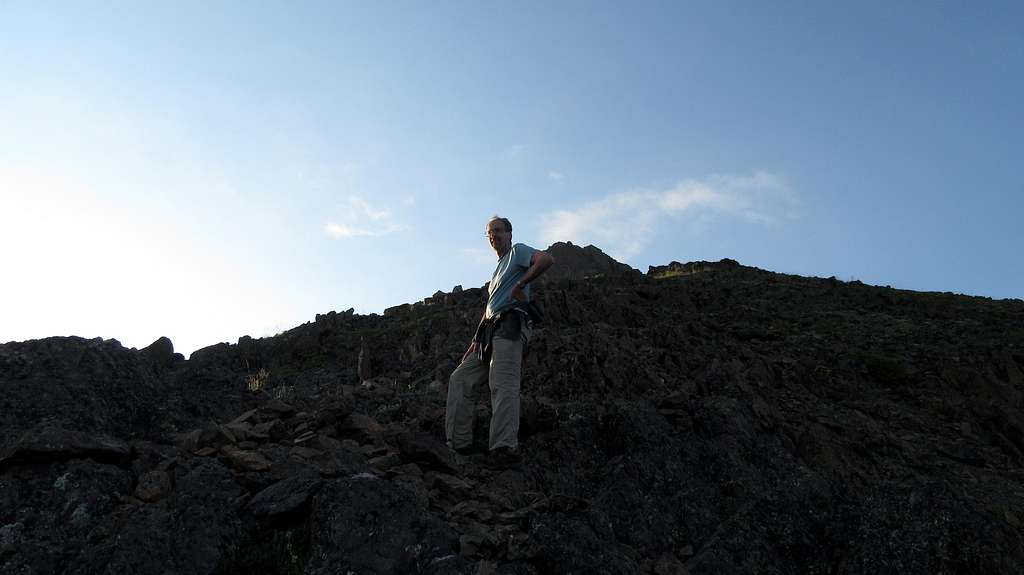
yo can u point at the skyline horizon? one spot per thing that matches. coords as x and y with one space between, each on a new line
201 171
384 311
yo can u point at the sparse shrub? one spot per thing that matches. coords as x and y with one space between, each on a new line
257 381
284 392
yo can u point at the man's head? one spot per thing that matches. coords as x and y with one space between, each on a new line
499 234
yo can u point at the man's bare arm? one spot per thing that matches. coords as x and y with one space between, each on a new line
539 263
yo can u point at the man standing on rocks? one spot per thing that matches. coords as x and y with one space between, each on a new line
496 353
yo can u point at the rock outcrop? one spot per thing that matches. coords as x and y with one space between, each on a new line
577 263
701 418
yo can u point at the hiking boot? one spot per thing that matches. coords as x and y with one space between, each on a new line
504 458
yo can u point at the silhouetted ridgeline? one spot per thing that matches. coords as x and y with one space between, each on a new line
701 418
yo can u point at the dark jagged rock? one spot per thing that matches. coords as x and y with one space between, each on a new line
702 418
52 444
575 263
286 498
196 530
161 353
365 365
677 269
368 525
426 449
153 486
93 386
52 515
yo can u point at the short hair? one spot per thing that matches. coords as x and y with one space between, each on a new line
508 224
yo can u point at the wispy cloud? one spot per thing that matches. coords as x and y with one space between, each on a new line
623 223
556 176
360 206
343 231
360 219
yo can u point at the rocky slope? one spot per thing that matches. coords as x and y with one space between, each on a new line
699 418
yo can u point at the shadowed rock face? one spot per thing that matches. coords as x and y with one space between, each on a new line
577 263
701 418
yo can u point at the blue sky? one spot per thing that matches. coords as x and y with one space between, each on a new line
209 170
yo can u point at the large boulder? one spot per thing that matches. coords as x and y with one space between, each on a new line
197 530
89 385
52 516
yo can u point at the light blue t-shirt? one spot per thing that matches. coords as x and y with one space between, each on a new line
510 270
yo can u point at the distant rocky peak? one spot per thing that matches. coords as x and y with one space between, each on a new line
575 262
677 269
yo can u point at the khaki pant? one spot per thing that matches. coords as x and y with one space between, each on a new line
502 375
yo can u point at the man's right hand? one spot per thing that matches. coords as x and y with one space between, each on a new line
472 349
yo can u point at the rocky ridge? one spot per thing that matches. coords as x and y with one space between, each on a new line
700 418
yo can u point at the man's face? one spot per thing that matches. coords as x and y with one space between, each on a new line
499 237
